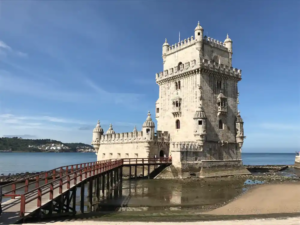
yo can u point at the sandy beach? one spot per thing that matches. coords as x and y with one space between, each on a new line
264 199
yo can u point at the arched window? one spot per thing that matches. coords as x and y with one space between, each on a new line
177 124
179 65
147 131
179 85
176 86
220 124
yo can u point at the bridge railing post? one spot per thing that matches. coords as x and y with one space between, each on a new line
37 180
39 200
60 185
53 174
72 169
13 190
60 172
22 206
75 178
51 191
46 178
80 176
68 182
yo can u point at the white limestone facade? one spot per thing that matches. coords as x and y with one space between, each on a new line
197 109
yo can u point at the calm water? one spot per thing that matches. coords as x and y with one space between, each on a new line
34 162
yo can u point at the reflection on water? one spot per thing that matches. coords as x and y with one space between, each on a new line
155 194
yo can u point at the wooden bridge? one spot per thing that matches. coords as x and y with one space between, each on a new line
53 193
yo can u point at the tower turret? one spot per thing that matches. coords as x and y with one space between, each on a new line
97 132
239 131
148 127
165 48
228 45
200 126
198 38
110 130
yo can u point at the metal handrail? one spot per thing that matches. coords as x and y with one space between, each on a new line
86 169
52 174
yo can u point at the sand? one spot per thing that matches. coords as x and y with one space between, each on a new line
264 199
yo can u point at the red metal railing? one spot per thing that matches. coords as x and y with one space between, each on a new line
44 176
73 173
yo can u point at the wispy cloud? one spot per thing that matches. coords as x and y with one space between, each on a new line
4 48
13 119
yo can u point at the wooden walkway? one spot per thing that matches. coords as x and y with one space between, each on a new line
69 178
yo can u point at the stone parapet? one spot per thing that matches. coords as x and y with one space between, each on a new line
129 137
213 67
215 43
180 45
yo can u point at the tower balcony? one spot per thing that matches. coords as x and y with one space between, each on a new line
176 111
222 110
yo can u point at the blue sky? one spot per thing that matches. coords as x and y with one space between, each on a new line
64 65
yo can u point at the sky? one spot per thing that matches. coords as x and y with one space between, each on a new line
66 64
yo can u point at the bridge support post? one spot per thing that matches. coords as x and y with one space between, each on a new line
82 197
97 188
135 171
90 194
148 171
74 200
103 185
130 172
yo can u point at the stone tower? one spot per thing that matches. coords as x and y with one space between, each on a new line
198 103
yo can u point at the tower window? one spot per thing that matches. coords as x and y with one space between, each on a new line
157 110
177 104
220 125
198 33
219 85
199 122
147 131
179 85
177 124
179 66
176 86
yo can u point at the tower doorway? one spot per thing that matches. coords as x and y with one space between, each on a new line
161 153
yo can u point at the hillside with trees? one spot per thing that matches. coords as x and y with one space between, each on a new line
16 144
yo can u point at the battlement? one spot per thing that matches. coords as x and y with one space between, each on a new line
180 45
184 146
187 66
137 136
220 68
123 137
215 43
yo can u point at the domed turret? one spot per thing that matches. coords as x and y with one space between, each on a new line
228 43
98 128
200 125
165 49
148 128
97 132
199 32
110 130
149 122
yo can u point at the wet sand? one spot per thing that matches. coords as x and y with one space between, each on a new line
264 199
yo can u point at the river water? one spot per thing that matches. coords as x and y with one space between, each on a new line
35 162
